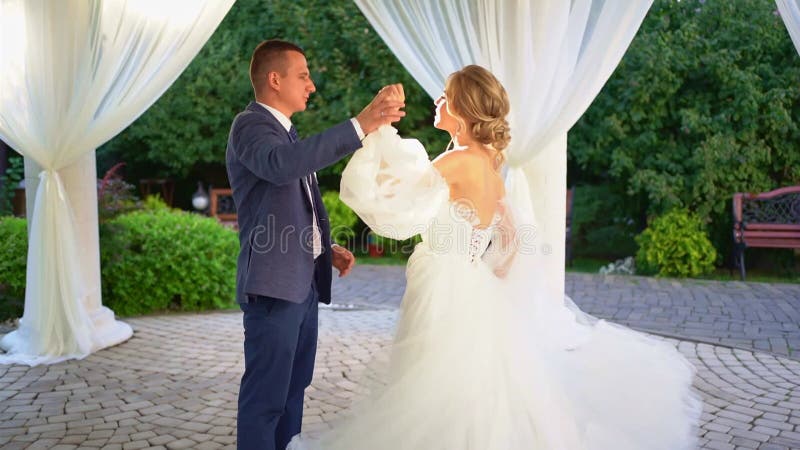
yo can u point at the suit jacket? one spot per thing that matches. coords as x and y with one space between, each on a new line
266 172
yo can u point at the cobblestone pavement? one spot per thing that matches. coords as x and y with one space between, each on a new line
174 384
752 316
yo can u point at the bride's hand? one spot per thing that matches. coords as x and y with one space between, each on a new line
384 109
501 272
395 92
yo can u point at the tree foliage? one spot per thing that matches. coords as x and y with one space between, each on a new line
349 62
704 104
9 181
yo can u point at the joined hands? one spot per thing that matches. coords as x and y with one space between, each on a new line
384 109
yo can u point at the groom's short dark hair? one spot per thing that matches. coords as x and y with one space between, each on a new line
269 57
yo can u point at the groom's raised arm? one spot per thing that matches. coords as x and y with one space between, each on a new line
262 148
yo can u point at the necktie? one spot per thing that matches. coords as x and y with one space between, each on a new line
308 181
293 137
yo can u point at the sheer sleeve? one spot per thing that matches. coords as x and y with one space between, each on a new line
504 244
392 185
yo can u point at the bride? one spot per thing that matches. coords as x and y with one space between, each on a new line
480 359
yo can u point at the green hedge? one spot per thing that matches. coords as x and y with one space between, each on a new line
161 259
675 245
155 259
13 261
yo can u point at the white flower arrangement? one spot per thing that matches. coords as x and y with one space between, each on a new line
625 266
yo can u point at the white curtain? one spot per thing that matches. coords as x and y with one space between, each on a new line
74 74
790 13
553 57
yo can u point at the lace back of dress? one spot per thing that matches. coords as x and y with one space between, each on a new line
479 237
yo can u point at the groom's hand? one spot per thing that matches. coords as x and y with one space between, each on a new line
343 260
384 109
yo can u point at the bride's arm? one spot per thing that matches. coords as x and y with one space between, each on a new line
391 184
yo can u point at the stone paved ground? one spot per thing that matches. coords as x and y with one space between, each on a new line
759 316
174 384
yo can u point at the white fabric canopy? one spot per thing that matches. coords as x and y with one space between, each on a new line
553 57
75 73
790 13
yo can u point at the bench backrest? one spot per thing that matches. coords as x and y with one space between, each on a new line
777 210
223 206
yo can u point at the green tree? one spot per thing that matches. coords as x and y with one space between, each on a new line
704 104
9 182
349 62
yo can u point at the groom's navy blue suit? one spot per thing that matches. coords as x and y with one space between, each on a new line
279 283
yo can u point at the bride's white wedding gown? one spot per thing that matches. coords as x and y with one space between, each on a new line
484 363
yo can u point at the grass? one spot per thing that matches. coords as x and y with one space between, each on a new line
753 275
587 265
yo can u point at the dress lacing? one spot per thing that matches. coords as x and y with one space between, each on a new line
480 239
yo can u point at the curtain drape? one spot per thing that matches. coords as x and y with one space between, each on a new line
552 56
76 73
790 13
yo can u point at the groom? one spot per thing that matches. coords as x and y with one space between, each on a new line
285 258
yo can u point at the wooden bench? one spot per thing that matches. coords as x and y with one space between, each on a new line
768 220
223 207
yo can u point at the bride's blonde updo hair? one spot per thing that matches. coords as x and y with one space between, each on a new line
475 96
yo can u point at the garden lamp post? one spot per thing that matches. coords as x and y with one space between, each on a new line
200 198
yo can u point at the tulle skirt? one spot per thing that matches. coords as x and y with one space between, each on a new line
479 364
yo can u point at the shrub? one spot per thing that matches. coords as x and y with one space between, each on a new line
13 261
114 196
161 259
342 218
675 245
154 203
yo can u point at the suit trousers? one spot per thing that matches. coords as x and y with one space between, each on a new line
280 345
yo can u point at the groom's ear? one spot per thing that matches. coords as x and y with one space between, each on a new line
273 80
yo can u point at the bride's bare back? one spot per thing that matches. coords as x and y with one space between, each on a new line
472 181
